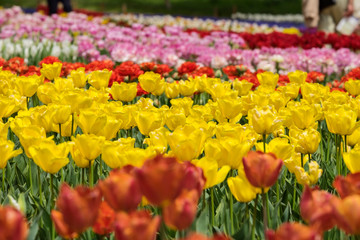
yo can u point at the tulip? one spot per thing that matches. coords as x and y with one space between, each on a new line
149 120
117 188
351 160
317 208
137 225
77 210
298 77
347 186
197 236
46 92
49 156
90 146
303 116
100 79
149 81
187 88
51 71
182 211
174 118
229 107
295 161
160 89
77 156
310 178
354 138
347 215
268 79
293 231
182 103
60 113
125 92
306 141
173 177
78 77
105 220
263 120
278 146
13 225
76 98
91 121
112 153
7 152
341 120
314 92
30 136
291 90
27 86
242 87
4 128
63 84
241 188
262 169
10 105
172 90
213 174
111 128
157 140
353 87
187 142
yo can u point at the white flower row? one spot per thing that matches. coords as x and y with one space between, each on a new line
295 18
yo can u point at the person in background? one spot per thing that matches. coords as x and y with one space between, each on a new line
331 13
53 6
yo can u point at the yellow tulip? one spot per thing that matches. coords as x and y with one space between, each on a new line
353 87
91 121
174 118
213 174
100 79
51 71
264 120
204 83
295 161
182 103
298 77
66 128
310 178
27 86
49 156
341 120
60 113
137 156
62 84
77 156
351 159
111 128
160 89
46 92
157 140
45 119
172 90
314 92
145 103
268 79
243 87
125 92
241 188
201 112
10 105
291 90
148 120
4 128
7 152
99 96
218 90
129 141
123 114
241 132
279 146
306 141
78 77
303 116
229 107
149 81
187 88
30 136
227 151
187 142
90 146
354 138
112 153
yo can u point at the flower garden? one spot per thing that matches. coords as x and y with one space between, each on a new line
134 127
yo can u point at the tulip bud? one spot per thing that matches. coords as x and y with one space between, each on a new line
105 221
293 231
13 225
347 186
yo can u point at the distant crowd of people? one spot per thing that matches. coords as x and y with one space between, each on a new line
326 14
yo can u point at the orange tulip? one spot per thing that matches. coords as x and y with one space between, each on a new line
78 209
172 176
105 221
347 214
349 185
262 169
316 208
136 226
293 231
13 224
182 211
121 191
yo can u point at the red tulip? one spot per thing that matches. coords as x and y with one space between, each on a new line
348 185
78 209
262 169
13 225
105 221
182 211
347 214
317 208
162 179
118 188
136 226
293 231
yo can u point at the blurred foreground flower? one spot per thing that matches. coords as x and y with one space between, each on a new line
13 225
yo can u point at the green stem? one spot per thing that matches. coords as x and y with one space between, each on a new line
100 162
268 209
60 133
302 160
212 206
294 195
231 207
338 149
264 142
265 219
82 176
3 180
345 143
278 198
52 191
254 218
30 177
72 124
91 175
39 182
309 155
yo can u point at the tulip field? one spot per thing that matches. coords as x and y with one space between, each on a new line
139 128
